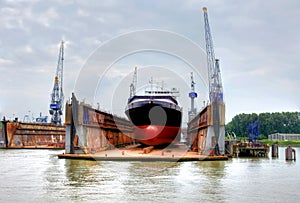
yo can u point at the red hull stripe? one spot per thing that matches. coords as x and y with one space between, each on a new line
156 135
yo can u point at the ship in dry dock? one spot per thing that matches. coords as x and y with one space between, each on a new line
155 114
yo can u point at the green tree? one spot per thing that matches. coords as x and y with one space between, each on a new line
285 122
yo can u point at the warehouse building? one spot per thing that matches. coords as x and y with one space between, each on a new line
284 136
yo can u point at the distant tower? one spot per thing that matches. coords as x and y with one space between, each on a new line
133 83
57 96
192 95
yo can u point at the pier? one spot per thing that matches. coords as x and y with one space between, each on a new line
247 149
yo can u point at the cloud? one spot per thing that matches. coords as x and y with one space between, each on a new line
25 50
257 43
5 61
83 13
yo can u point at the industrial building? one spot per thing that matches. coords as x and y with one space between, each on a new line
284 136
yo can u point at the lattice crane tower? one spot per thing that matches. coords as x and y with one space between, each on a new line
215 86
57 95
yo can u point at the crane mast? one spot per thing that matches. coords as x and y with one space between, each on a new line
192 95
133 83
57 96
214 74
215 84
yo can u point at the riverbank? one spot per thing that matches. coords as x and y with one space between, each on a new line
293 143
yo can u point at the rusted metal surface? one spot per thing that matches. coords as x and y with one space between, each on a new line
250 149
200 135
34 135
197 131
94 130
177 153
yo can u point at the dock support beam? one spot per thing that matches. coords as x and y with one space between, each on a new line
72 135
4 122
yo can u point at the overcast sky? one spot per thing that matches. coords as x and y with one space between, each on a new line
257 43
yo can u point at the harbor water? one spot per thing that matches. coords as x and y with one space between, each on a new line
39 176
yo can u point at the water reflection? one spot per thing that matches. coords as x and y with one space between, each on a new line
39 176
197 178
146 180
80 173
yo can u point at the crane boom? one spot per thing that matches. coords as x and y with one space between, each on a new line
214 74
57 95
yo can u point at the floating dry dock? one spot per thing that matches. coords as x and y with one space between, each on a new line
95 135
176 153
19 135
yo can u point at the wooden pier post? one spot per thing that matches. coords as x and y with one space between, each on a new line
290 153
275 150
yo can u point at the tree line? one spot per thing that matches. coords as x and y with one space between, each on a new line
285 122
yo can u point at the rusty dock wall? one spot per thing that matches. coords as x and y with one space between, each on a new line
90 130
201 137
32 135
92 134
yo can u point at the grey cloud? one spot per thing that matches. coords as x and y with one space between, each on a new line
257 41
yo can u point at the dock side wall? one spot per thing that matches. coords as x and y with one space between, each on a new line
18 134
94 130
201 136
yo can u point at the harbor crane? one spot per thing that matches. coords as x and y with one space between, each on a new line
133 83
57 95
214 79
214 73
192 95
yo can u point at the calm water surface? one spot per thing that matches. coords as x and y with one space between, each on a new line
39 176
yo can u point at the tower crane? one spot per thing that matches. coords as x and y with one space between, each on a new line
215 83
192 95
133 83
57 95
214 74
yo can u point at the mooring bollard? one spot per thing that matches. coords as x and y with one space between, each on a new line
290 153
274 150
